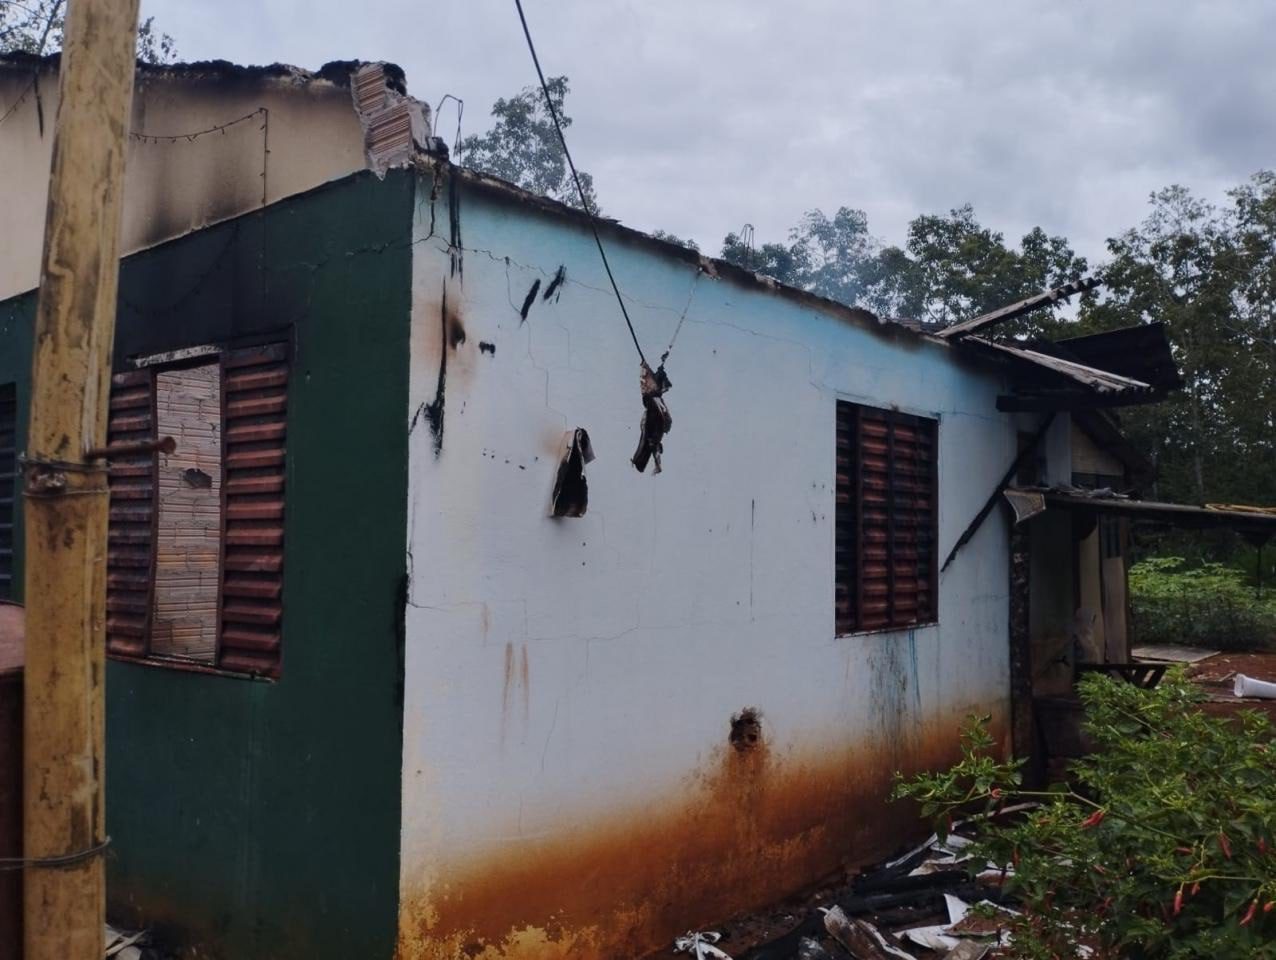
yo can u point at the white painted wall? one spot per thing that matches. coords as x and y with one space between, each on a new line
569 676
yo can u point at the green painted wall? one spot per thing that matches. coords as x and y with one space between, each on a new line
253 819
17 317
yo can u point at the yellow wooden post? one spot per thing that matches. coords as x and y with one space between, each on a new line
66 498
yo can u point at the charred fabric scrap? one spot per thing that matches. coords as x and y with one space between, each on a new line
529 300
571 492
556 284
552 289
656 419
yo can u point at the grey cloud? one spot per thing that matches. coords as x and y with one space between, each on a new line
697 117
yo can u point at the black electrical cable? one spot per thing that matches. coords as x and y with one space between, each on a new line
593 222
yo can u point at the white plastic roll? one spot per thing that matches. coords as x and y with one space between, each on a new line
1249 687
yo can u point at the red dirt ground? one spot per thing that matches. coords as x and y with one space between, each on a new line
1215 676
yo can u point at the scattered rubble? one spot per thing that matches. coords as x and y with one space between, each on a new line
121 945
701 945
934 900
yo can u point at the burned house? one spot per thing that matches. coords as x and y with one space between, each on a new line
406 657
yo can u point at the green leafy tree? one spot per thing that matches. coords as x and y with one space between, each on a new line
35 26
673 238
1160 848
1208 604
1207 273
951 267
523 147
778 260
31 26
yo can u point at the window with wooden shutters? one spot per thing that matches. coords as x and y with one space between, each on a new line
886 564
195 571
8 483
130 557
255 405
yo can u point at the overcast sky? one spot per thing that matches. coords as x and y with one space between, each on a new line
697 116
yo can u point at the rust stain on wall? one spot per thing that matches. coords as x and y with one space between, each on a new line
515 686
747 828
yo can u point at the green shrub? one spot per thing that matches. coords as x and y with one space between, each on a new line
1208 605
1160 849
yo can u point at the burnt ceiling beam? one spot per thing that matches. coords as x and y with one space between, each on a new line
1004 314
1039 403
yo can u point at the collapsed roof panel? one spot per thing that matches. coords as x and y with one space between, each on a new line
1141 352
1004 314
1045 382
1247 520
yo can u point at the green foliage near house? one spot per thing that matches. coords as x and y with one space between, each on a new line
1209 273
1161 848
1209 604
523 147
35 26
951 267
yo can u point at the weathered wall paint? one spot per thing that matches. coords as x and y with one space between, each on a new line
172 188
253 820
1089 457
568 785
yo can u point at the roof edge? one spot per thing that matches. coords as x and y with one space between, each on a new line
713 266
336 72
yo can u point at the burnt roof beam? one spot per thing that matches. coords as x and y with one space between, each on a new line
1003 314
1073 400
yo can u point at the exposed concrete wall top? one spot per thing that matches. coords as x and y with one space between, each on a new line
207 142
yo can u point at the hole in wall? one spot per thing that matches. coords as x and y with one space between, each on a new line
746 729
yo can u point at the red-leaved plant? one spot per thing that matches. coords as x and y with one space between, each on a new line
1162 845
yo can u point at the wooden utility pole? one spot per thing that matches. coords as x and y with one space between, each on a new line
66 492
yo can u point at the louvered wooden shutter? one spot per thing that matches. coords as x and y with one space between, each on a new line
886 519
846 515
8 483
254 424
130 564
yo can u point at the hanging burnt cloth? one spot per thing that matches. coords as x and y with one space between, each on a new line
656 419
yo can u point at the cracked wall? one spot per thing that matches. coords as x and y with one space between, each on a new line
570 787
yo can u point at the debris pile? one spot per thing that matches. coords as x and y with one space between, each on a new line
123 945
933 901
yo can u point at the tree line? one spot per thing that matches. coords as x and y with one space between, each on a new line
1206 270
35 27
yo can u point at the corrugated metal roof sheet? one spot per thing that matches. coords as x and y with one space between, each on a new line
1100 381
1174 514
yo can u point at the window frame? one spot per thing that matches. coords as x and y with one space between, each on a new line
280 353
905 436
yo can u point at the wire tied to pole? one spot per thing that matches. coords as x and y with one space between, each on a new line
56 862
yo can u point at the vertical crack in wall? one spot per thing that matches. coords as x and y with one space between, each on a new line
433 411
454 226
